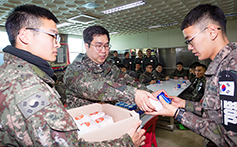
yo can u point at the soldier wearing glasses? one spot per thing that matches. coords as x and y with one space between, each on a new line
204 29
90 78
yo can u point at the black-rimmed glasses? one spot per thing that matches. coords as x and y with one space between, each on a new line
56 36
100 47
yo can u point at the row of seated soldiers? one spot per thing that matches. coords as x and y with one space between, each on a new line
196 75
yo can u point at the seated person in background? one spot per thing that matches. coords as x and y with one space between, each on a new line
192 74
115 58
124 70
179 72
31 113
146 77
157 73
138 70
196 90
90 78
127 61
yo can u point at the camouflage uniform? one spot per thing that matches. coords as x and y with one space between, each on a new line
191 77
26 122
138 73
210 124
158 75
128 63
88 82
145 78
195 91
179 74
61 88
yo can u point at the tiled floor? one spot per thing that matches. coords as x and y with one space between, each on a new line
178 138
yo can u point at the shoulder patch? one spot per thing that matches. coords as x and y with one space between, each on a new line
33 104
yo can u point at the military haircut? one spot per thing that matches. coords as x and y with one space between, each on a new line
159 64
194 64
148 50
203 66
114 51
120 66
140 51
126 53
148 65
26 16
179 63
202 15
92 31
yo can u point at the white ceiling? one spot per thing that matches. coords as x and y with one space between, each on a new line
135 20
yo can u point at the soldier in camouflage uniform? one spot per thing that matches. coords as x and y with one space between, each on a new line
146 78
157 73
31 113
90 78
195 91
179 72
204 29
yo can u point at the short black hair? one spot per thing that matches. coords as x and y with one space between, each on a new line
148 50
148 64
203 66
126 53
179 63
140 51
138 63
26 16
194 64
92 31
159 64
121 66
203 12
114 51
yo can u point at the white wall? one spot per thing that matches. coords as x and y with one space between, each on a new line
161 39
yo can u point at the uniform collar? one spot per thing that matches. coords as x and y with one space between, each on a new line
26 66
105 67
221 55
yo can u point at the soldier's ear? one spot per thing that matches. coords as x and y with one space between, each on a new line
213 31
23 36
86 45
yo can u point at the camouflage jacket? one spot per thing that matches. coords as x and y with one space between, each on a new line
210 124
179 74
31 113
145 78
88 83
158 76
195 91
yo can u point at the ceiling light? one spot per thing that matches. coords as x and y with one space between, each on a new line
63 24
82 18
113 33
90 5
124 7
163 25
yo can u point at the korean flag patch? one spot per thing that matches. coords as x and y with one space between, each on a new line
33 104
227 88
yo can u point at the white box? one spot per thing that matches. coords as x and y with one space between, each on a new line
123 120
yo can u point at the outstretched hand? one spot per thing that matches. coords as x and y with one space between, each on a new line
137 136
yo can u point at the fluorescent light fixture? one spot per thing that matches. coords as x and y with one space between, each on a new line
163 25
124 7
113 33
90 5
63 24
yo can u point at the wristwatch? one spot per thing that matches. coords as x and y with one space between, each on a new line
180 114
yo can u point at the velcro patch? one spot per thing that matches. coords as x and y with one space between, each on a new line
33 104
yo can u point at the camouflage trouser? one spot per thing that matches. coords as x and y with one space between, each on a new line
73 102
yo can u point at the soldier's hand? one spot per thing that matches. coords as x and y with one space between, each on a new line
177 102
137 136
141 99
167 110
